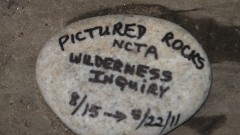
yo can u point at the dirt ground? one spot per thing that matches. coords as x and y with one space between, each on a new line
25 26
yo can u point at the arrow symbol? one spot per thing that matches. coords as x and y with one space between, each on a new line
119 116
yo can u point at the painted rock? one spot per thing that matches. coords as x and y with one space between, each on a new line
123 75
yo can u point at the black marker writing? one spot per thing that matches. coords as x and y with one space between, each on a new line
145 119
131 30
80 104
118 65
74 98
123 83
119 116
186 51
136 47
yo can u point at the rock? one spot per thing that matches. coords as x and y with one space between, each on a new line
123 75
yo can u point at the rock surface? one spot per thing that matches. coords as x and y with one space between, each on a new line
123 74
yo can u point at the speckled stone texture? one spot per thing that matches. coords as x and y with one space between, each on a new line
123 75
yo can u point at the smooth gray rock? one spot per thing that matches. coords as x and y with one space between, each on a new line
123 74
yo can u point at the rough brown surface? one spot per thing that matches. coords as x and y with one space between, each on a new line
27 25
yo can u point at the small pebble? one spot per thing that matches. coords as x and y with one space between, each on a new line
123 75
